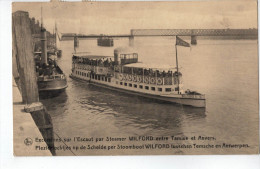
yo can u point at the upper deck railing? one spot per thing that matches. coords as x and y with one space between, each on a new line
144 79
197 96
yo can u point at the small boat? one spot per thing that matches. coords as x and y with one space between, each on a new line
122 72
105 41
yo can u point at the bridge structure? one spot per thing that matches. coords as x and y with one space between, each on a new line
193 33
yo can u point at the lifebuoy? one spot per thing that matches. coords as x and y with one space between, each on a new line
124 77
139 79
134 78
152 80
146 80
121 77
129 77
159 81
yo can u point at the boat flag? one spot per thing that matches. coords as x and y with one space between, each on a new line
181 42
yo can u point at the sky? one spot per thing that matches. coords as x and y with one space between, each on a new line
120 17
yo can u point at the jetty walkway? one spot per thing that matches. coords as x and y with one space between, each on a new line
25 130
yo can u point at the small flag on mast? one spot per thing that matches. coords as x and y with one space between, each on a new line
181 42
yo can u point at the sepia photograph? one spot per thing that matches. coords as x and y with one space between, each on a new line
135 78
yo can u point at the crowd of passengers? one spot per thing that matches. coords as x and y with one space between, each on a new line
106 62
150 72
44 69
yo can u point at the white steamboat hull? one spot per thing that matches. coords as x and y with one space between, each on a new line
183 99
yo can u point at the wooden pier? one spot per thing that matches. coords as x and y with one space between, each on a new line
28 113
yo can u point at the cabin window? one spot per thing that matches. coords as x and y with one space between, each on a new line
168 89
140 86
153 88
135 85
130 85
109 80
125 84
147 87
159 89
121 83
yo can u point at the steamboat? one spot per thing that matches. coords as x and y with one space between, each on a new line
122 72
50 78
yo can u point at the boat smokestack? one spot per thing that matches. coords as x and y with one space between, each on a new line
44 47
76 43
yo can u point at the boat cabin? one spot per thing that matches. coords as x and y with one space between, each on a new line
125 55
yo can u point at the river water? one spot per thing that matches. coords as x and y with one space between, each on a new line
225 70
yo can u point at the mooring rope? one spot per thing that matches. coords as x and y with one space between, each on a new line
64 143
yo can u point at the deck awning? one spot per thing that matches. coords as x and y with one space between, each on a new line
91 56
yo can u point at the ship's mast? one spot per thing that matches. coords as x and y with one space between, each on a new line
44 59
55 34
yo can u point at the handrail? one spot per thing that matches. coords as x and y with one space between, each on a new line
200 96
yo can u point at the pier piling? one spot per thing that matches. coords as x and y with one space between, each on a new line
25 75
131 39
193 40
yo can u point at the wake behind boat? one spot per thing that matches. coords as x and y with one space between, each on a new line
122 72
